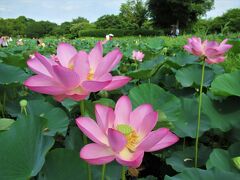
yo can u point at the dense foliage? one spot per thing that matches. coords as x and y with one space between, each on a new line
169 12
227 23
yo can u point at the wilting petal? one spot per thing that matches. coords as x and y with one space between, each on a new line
96 154
138 115
127 158
116 140
152 138
148 123
95 56
65 52
90 128
67 77
104 116
122 110
43 84
168 140
81 65
117 82
108 62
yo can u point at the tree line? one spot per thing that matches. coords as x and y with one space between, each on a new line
134 15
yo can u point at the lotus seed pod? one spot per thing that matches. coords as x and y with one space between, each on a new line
23 103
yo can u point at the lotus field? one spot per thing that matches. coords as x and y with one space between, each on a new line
127 108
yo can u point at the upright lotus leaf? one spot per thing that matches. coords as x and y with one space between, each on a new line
165 102
183 58
191 76
57 120
227 84
106 102
16 60
74 139
155 44
219 117
63 164
11 74
186 124
23 149
180 160
147 68
221 160
199 174
69 104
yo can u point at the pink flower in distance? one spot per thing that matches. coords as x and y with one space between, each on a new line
123 134
137 55
75 74
211 50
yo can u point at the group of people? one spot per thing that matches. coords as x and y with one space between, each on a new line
5 40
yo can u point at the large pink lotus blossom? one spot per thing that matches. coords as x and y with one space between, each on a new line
137 55
75 74
123 134
211 50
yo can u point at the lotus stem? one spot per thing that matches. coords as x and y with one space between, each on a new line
123 173
82 110
199 117
103 171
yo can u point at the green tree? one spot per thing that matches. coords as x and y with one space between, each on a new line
229 20
75 28
109 22
165 13
134 13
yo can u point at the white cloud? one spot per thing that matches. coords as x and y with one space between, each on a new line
221 6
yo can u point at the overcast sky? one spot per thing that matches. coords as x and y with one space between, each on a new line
59 11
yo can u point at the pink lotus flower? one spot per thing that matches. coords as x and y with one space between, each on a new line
76 74
211 50
137 55
123 134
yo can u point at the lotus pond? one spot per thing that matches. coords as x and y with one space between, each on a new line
150 121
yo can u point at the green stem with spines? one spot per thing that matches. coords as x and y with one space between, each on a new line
199 116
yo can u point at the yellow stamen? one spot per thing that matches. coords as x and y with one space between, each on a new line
132 140
90 75
71 66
